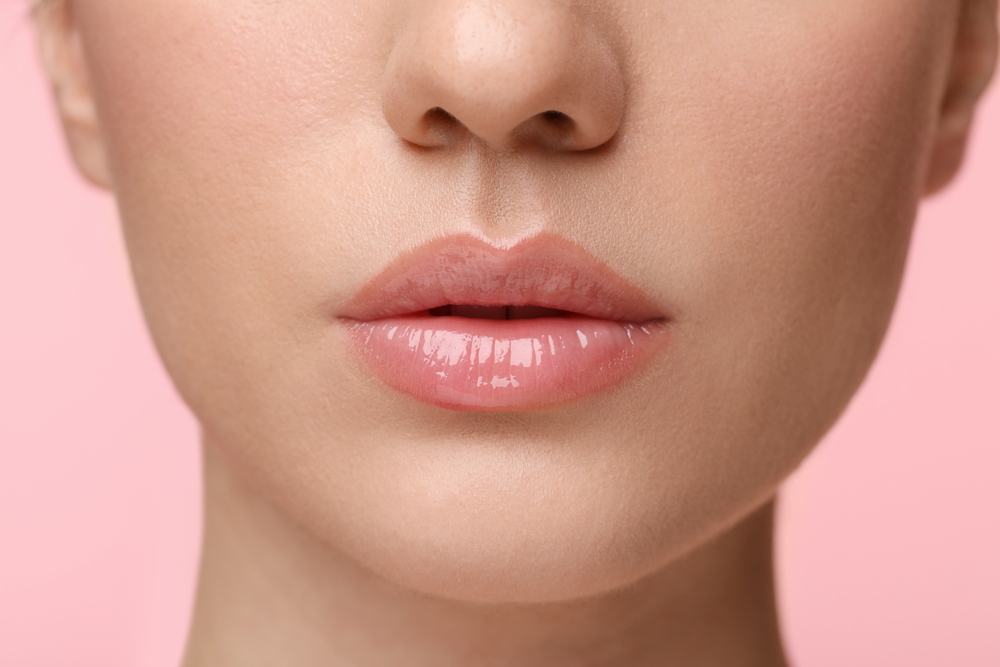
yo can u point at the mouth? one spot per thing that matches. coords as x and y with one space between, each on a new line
463 325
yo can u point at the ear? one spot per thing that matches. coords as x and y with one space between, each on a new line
62 57
973 61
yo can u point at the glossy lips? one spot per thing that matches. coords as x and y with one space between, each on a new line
464 325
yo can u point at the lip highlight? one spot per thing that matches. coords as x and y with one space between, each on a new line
461 324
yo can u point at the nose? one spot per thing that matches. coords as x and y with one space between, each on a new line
505 72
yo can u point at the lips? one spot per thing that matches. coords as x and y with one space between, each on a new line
461 324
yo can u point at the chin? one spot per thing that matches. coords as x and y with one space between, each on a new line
502 527
503 563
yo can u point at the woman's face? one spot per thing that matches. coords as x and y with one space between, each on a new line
748 170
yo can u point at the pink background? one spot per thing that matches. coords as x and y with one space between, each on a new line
889 546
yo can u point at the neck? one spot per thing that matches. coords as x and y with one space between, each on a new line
271 593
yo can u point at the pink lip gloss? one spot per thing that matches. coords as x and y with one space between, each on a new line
606 330
488 365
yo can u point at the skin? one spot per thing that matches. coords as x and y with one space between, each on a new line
754 166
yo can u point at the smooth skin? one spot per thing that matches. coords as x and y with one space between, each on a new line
753 165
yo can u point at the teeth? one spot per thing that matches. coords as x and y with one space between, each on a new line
496 312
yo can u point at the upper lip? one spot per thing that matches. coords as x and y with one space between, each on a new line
546 271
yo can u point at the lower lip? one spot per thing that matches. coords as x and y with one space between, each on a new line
497 365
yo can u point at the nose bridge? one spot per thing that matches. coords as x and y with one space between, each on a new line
500 68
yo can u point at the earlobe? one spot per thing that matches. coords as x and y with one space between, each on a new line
972 67
62 57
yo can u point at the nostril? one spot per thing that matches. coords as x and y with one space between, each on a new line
551 128
439 115
557 118
439 127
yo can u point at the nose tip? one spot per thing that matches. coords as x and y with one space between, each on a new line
504 72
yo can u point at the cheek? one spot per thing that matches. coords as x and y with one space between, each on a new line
784 188
231 129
